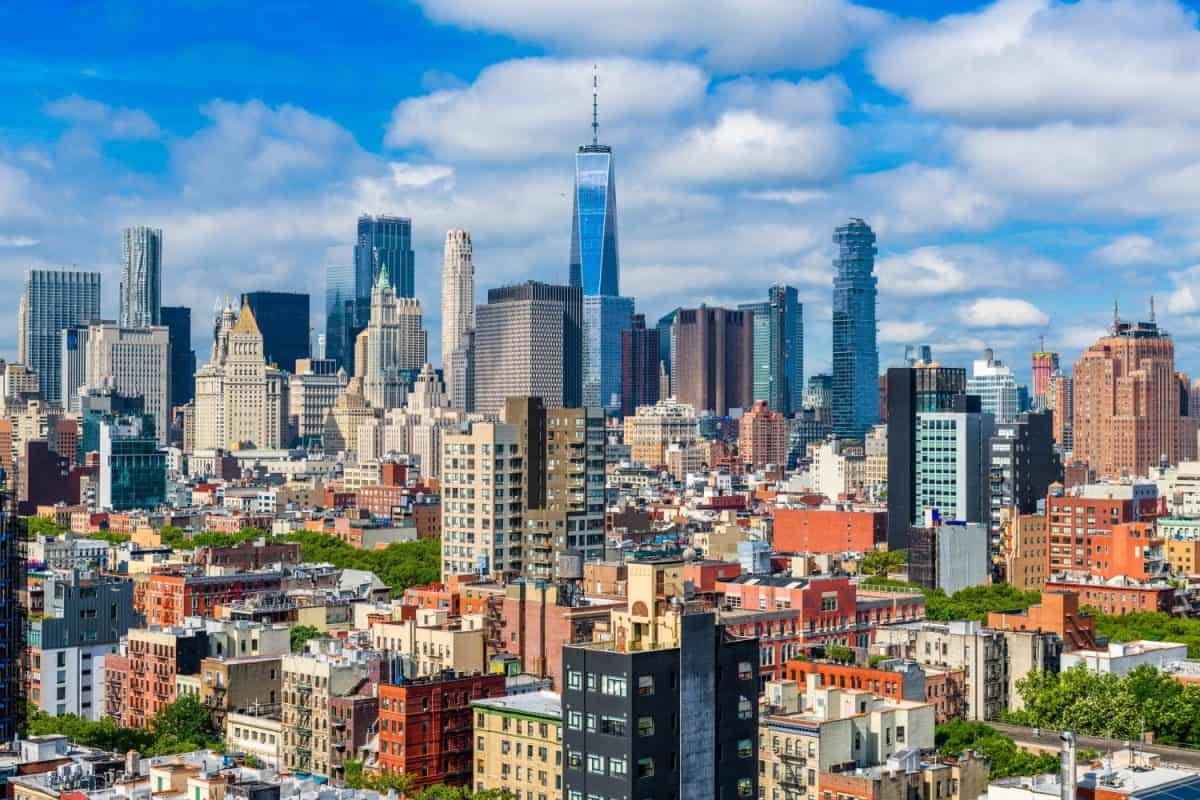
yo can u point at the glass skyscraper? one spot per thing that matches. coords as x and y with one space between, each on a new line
604 321
384 242
178 320
54 300
778 331
282 318
595 265
855 351
341 315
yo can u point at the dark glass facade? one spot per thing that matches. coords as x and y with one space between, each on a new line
384 242
639 366
182 358
12 620
595 265
778 332
855 351
343 315
133 471
283 320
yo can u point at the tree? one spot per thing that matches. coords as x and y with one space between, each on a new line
42 526
173 537
399 565
840 654
301 634
884 562
956 736
976 602
1152 625
183 725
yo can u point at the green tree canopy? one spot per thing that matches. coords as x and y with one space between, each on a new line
301 634
399 565
884 562
956 736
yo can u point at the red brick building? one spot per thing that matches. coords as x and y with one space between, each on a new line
170 597
942 688
762 436
1057 613
813 530
426 727
1075 520
1118 597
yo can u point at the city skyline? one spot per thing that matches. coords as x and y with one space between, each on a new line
731 178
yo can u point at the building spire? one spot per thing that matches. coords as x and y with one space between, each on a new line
595 107
1116 314
1152 308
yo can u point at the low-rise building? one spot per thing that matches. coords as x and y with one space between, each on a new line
1120 658
518 745
255 733
433 643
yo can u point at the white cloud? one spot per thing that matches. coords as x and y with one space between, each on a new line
955 269
728 34
103 120
904 332
528 109
919 199
17 241
1033 61
1001 312
1132 249
1184 297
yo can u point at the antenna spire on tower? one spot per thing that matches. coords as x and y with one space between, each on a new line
1152 308
595 107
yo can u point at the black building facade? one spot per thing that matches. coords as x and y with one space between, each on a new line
910 391
181 356
664 723
283 320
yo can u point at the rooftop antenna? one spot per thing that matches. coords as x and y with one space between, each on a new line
1152 308
1116 317
595 108
1042 343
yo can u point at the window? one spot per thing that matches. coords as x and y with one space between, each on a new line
595 764
745 787
899 733
616 686
745 748
829 603
613 726
745 670
591 681
574 759
574 679
616 766
574 720
745 708
645 767
645 726
645 685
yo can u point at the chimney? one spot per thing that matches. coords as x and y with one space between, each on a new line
1066 769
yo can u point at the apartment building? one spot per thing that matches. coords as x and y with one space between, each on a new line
310 681
156 656
518 745
433 643
170 597
256 734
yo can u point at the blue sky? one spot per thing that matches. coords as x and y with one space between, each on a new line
1023 161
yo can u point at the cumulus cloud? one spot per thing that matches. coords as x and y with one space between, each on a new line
104 120
1001 312
954 269
1132 249
904 332
728 34
1034 61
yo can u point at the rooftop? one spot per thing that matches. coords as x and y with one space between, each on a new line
542 704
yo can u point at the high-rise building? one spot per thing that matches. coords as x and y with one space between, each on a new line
141 277
595 263
240 400
1130 411
458 301
343 317
395 346
993 381
312 391
855 351
384 243
178 322
666 328
13 622
54 300
132 470
952 465
762 436
460 374
639 366
1061 401
674 694
778 331
911 391
1044 365
133 362
283 320
605 319
711 357
528 343
1023 465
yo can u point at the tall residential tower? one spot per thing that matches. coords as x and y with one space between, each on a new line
855 351
458 301
54 300
141 277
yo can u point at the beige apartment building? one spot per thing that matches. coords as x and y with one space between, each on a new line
309 682
255 734
518 745
652 429
1025 539
232 684
434 643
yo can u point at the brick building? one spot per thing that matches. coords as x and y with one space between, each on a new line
1057 613
249 555
763 436
426 727
156 657
1075 518
1118 596
170 597
819 530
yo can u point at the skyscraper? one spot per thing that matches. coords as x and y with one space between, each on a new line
141 277
384 242
993 381
665 325
952 465
778 331
458 301
178 321
342 319
283 320
595 264
1129 402
1044 364
395 345
855 352
605 318
528 343
711 359
54 300
639 366
133 362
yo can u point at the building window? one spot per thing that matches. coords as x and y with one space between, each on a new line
745 670
616 766
574 679
745 748
616 686
645 726
645 767
574 720
595 764
645 685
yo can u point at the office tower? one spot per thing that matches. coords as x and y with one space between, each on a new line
666 328
778 331
54 300
604 321
384 243
283 320
1128 409
855 353
132 362
342 315
674 697
1023 464
528 343
711 359
1044 365
133 471
458 301
993 381
951 467
395 345
74 366
762 436
178 322
1061 402
460 374
312 391
595 263
911 391
915 354
240 400
639 366
141 277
